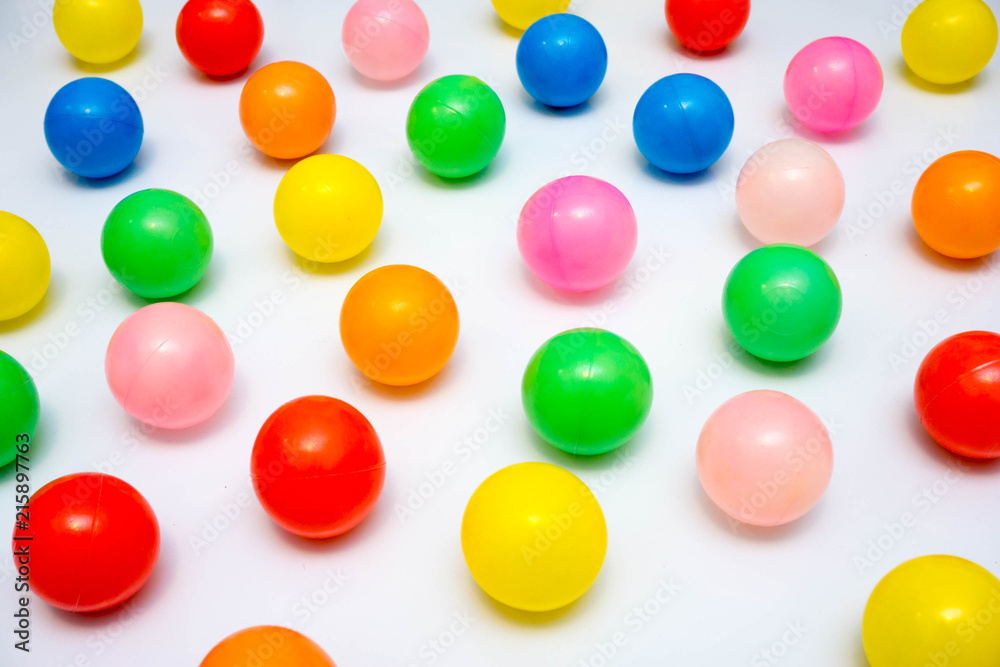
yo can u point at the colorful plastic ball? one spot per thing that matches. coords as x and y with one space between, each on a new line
455 126
157 243
385 40
790 191
934 610
683 123
25 267
522 13
561 60
169 365
287 110
282 646
220 37
399 325
19 408
957 394
328 208
317 467
956 204
764 458
707 25
93 127
949 41
833 84
534 537
94 541
98 31
587 391
577 233
782 302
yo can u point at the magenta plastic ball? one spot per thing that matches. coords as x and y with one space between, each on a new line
764 458
790 191
577 233
833 84
385 39
169 365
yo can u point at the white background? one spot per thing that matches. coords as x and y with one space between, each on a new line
404 579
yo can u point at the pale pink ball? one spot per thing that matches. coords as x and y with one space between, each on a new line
169 365
385 39
833 84
764 458
577 233
790 191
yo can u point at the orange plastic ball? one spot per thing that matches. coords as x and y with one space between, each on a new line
399 325
267 645
287 110
956 204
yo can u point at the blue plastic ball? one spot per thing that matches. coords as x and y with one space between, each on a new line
561 60
683 123
93 127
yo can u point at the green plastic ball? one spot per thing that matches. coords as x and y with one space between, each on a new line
455 126
782 302
18 407
157 243
587 391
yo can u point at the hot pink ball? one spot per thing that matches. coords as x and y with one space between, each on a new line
385 39
790 191
833 84
577 233
764 458
169 365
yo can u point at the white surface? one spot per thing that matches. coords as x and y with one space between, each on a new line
404 582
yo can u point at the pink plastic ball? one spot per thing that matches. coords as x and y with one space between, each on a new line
764 458
385 39
169 365
790 191
833 84
577 233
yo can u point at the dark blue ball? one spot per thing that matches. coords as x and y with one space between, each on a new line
93 127
683 123
561 60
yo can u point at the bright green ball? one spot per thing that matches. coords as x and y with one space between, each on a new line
18 407
587 391
455 126
782 302
157 243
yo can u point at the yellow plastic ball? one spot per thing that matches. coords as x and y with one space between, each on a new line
949 41
934 610
25 267
522 13
534 536
328 208
98 31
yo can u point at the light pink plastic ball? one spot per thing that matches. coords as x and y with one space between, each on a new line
169 365
577 233
790 191
385 39
833 84
764 458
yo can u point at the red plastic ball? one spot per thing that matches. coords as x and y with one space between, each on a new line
220 37
957 394
94 541
707 25
317 466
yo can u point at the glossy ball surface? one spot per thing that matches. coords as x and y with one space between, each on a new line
782 302
949 41
707 25
534 537
522 13
285 648
25 266
587 391
98 31
561 60
19 409
220 37
385 40
95 541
